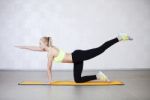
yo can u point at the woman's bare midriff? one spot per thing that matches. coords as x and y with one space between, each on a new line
67 58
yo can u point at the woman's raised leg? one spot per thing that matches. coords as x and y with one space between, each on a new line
81 55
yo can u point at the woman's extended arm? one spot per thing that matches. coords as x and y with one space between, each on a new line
49 68
33 48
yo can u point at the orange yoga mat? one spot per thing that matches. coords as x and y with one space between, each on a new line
72 83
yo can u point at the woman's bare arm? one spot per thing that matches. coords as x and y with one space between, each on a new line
33 48
49 68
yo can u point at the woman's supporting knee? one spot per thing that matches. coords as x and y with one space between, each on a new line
78 80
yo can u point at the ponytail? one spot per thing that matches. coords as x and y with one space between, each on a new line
48 38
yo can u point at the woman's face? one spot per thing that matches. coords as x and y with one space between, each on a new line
42 44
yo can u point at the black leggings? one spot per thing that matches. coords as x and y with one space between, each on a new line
79 56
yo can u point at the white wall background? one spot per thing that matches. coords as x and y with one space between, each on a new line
75 24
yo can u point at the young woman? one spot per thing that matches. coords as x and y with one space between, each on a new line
77 57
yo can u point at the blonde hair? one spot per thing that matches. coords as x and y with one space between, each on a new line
47 40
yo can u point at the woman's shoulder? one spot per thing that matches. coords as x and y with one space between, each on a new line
53 51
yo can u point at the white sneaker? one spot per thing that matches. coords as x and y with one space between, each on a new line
101 76
124 37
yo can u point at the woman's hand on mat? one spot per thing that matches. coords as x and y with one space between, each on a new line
49 81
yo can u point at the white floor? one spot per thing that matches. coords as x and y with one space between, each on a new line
137 86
